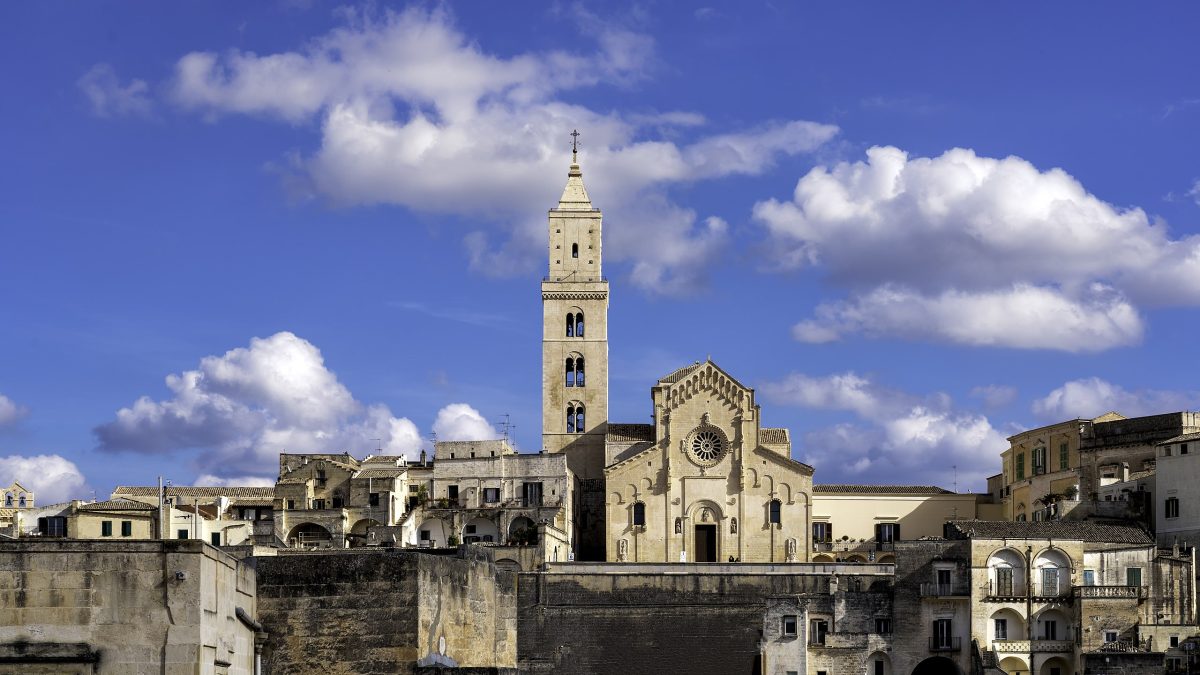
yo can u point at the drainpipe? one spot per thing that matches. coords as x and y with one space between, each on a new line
1029 593
260 636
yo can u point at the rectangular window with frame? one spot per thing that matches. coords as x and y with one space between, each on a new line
1021 466
822 533
318 504
373 499
1183 448
1172 507
883 626
1039 461
1064 457
1133 576
1089 577
126 528
181 534
789 625
1111 636
491 495
106 528
943 633
215 538
817 630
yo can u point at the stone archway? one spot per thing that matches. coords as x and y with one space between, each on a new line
937 665
309 535
358 533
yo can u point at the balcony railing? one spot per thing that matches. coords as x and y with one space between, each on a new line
885 546
1126 645
1057 590
935 590
1013 589
1111 592
822 545
945 644
1032 646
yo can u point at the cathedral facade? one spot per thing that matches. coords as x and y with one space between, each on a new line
706 482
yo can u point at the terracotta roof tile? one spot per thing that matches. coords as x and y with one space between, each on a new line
769 436
1097 531
629 433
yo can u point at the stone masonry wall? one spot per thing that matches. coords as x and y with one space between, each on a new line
380 611
129 607
707 621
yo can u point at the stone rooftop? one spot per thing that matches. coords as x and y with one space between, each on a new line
771 436
233 492
1096 531
882 489
629 433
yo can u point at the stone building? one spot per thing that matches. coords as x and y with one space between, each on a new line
120 607
220 515
1049 598
706 482
862 523
332 500
485 492
1176 500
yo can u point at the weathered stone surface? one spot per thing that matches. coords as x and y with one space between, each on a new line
379 611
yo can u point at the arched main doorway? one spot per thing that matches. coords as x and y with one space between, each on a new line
937 665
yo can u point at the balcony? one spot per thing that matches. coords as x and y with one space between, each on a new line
1111 592
1005 592
951 590
1052 592
885 546
945 644
822 546
1032 646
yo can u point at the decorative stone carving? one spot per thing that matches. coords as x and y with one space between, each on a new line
733 526
622 550
679 526
789 548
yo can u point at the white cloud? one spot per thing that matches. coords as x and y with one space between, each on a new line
461 422
1091 397
900 437
1025 317
414 113
1194 193
995 395
109 98
241 409
10 411
976 250
51 477
209 480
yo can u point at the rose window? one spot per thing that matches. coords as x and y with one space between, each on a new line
707 446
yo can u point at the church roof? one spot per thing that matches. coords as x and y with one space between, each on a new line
629 433
881 489
681 373
769 436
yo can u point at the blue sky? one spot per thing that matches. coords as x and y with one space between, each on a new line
228 230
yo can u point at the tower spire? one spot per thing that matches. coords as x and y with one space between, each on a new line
575 196
575 146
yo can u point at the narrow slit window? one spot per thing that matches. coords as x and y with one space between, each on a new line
570 372
574 250
579 372
570 419
570 325
775 512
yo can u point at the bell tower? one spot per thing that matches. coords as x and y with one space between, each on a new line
575 332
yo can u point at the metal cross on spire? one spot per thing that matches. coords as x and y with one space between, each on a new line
574 144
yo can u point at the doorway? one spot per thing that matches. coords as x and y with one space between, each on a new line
706 543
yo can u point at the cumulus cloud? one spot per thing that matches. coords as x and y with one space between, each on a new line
899 436
461 422
10 411
414 113
1025 317
977 250
1091 397
238 411
51 478
109 98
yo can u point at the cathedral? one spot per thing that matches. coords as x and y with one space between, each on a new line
706 482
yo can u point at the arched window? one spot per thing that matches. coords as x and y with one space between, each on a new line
8 499
775 511
22 501
574 250
579 325
579 372
579 425
570 419
570 325
570 372
639 514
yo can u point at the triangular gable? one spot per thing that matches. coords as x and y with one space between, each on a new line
682 384
784 461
